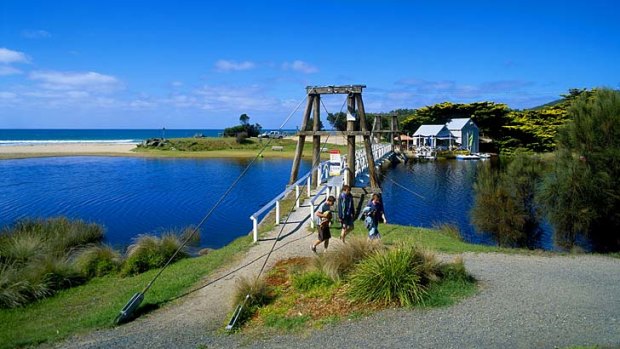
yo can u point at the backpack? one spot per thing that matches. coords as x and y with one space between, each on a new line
368 216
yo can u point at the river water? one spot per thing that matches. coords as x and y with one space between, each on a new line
131 196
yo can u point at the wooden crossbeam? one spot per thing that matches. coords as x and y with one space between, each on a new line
345 89
333 133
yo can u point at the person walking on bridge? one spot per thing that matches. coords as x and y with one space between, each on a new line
325 216
345 211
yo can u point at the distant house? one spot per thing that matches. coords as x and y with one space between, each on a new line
434 136
466 133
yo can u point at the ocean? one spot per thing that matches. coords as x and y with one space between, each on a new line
120 136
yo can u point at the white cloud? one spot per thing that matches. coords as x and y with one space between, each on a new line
300 66
141 104
224 65
8 70
55 80
9 56
235 98
36 34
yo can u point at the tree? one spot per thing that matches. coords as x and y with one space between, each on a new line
504 202
310 125
245 127
581 195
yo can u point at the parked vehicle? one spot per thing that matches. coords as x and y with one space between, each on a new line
271 134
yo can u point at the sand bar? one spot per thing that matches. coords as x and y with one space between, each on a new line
64 149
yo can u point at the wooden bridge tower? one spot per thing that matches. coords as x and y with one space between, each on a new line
313 106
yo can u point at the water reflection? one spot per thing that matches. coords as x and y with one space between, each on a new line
447 190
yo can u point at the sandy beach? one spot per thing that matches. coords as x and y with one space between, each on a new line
64 149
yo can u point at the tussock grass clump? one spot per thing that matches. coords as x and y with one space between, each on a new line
35 257
58 234
15 290
337 262
400 275
98 261
257 291
148 252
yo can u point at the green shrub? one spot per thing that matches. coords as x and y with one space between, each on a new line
310 280
148 252
339 261
394 276
98 261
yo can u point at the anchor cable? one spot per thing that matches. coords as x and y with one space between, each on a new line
219 201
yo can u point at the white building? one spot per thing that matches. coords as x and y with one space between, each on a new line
433 136
466 133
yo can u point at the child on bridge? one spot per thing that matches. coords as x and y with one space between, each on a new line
325 215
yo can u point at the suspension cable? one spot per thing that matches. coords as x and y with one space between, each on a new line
217 204
239 308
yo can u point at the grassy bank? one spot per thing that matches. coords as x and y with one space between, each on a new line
95 304
226 147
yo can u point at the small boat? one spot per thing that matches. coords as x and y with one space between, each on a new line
483 156
467 157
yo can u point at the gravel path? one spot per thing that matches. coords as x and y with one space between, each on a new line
524 302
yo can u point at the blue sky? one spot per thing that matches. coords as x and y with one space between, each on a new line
200 64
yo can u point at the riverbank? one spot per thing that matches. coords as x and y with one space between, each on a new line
131 150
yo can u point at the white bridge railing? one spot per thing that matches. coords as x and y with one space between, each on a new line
380 151
322 174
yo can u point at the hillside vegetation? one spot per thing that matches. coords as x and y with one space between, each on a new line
506 130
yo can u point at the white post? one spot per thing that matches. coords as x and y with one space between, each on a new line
277 212
297 195
327 192
254 228
308 185
311 215
318 176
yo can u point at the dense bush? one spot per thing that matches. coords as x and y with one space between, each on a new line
149 252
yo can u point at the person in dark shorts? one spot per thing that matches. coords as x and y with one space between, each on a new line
325 216
345 211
